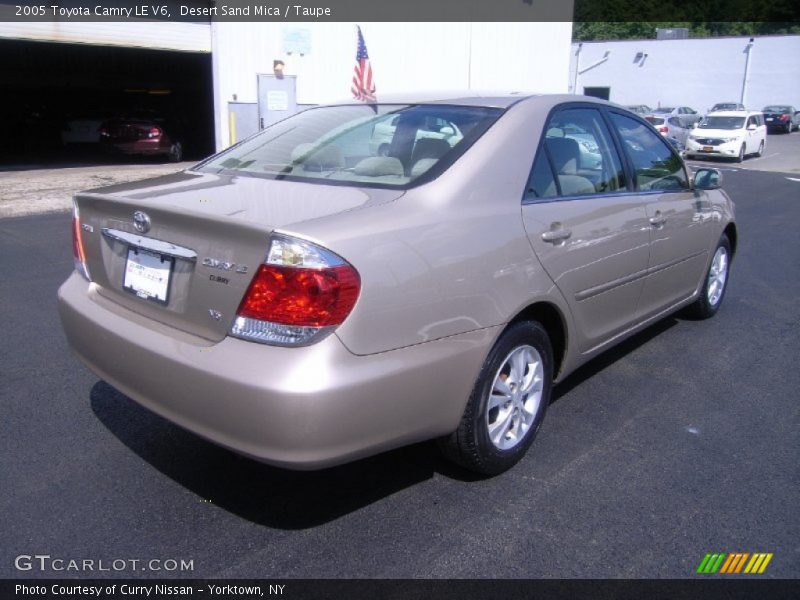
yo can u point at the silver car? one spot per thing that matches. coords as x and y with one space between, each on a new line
686 115
306 302
669 127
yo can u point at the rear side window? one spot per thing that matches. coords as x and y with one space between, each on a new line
655 165
582 154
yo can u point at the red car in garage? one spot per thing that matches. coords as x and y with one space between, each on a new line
143 135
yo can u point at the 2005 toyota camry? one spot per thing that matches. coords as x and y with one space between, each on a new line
304 302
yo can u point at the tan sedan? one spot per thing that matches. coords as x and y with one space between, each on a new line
304 302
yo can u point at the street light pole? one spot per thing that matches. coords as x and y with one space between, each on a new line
749 51
577 67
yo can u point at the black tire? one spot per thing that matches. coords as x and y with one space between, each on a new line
175 152
470 445
704 307
740 158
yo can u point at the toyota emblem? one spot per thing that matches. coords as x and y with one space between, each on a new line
141 221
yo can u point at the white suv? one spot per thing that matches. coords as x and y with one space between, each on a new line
728 133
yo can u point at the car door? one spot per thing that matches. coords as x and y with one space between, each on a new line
587 229
679 221
752 135
692 117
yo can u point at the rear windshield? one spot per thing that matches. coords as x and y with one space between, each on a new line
385 145
721 123
776 109
664 109
655 120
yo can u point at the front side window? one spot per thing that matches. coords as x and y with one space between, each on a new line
655 165
582 154
374 145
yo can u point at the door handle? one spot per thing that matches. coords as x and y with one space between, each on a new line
658 219
556 234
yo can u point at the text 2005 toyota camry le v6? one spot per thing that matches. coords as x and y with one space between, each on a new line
305 302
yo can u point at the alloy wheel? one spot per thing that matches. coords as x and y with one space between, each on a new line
717 276
515 397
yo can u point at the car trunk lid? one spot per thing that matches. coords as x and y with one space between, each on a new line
190 266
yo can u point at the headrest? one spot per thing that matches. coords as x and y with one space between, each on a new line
422 165
377 166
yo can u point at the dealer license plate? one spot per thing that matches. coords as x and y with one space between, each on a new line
147 274
708 148
769 118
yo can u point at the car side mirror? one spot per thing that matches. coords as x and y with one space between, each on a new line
707 179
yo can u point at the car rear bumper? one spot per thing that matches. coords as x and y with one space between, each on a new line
139 147
301 408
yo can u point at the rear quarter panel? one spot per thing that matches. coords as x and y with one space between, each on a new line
450 256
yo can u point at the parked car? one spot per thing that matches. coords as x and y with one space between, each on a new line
782 117
727 106
688 116
639 109
669 126
728 134
142 134
306 313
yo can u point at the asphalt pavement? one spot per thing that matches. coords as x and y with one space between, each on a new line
684 440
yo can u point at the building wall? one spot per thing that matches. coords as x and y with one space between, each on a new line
406 57
187 37
693 72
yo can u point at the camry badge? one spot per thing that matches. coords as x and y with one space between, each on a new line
141 221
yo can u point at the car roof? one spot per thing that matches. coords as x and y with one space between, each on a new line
733 113
491 99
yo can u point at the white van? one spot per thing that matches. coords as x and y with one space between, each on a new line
728 133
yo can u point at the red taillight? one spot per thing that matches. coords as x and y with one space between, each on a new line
298 295
663 129
154 132
78 253
783 118
301 297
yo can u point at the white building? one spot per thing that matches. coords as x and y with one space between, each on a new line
220 79
404 56
690 72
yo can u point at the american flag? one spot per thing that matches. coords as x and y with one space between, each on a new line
363 87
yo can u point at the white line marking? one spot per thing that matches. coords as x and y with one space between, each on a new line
793 179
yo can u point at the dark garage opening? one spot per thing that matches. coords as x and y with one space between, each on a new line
46 86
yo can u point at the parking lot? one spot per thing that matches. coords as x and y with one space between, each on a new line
682 441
